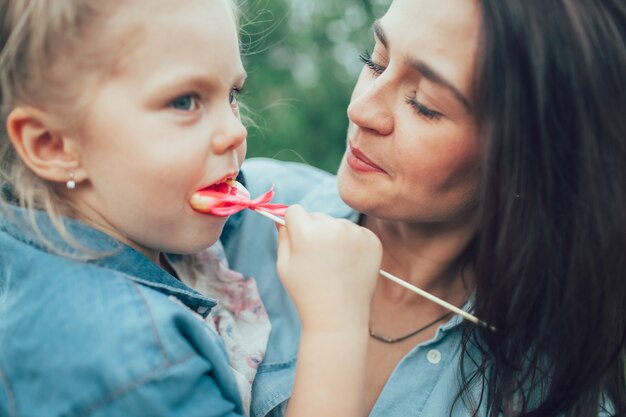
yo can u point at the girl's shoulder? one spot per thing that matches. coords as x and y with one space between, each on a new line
78 330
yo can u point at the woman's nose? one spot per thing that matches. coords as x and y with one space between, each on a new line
369 107
231 134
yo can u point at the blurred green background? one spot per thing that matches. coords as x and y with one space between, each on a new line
302 57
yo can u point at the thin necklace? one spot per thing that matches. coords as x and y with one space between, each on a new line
389 340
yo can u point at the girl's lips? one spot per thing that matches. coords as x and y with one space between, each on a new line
361 163
215 196
226 187
226 184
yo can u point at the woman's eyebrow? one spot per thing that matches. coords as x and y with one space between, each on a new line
380 33
424 69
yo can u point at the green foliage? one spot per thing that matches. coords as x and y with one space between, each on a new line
302 58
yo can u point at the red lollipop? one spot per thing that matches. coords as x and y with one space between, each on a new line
232 197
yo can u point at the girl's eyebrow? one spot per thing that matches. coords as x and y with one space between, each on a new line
421 67
198 79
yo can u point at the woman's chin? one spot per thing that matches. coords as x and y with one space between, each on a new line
354 193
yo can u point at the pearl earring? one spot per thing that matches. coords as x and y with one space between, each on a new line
71 183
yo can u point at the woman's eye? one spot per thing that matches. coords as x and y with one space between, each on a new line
423 110
366 58
185 103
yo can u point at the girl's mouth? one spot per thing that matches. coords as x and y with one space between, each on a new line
210 199
228 186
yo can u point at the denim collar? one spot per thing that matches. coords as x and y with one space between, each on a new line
116 256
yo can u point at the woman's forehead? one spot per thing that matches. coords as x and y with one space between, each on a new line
442 34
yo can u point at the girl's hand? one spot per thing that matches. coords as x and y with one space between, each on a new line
330 268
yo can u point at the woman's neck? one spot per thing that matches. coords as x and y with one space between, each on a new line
428 256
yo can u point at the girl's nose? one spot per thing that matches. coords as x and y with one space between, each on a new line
231 135
370 109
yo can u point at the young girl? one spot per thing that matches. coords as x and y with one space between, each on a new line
116 113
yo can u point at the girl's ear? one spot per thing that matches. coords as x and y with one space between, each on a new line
47 152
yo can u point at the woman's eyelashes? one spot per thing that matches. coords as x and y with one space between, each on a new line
421 109
366 58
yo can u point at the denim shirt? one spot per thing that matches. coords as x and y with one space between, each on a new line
424 383
117 336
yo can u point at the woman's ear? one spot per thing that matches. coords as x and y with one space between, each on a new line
45 150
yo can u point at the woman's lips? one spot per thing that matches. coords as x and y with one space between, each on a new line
361 163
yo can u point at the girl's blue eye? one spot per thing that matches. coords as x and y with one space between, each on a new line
184 103
232 96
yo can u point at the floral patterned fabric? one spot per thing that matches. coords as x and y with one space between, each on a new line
239 317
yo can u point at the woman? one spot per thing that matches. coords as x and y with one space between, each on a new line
485 149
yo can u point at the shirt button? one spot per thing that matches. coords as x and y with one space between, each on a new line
433 356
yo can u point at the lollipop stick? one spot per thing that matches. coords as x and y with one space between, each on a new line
435 299
406 285
271 216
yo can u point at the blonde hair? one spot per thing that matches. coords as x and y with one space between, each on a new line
44 46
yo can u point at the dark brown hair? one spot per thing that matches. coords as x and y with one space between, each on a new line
550 256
